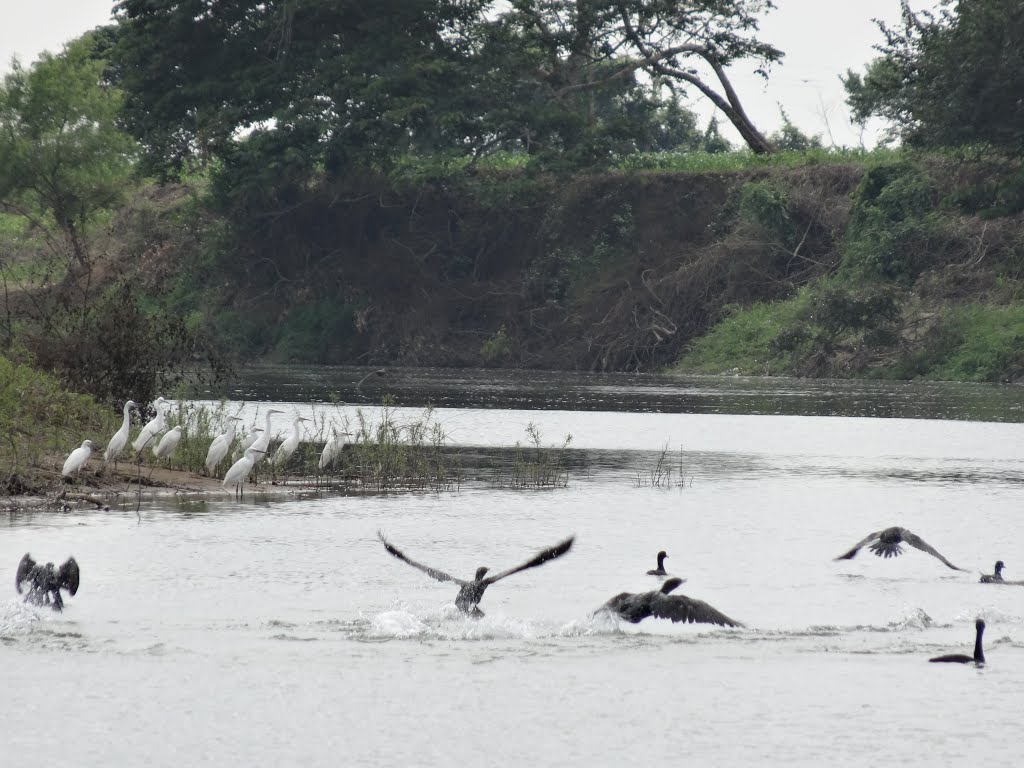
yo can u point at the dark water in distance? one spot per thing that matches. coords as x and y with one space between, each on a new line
651 393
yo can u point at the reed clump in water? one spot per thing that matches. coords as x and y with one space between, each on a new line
536 466
663 473
385 454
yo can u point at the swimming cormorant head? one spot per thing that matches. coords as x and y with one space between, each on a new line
480 573
660 570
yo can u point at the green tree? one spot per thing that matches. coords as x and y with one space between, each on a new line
582 47
322 84
790 137
330 82
62 157
951 78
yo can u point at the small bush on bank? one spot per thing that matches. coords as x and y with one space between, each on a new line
39 420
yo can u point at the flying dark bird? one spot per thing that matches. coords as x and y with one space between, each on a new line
994 578
44 581
660 570
886 543
472 591
635 607
962 658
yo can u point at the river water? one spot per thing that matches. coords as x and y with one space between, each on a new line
276 630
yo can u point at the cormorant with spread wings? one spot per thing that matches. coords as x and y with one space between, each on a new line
637 606
886 543
44 581
472 591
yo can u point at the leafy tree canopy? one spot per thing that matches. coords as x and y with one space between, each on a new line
61 152
951 78
347 84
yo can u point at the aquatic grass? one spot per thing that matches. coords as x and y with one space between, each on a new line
387 455
660 474
535 466
380 452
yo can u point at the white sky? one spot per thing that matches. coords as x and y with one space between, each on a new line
821 38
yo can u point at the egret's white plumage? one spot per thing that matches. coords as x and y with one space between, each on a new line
77 458
263 441
153 428
248 441
220 445
168 443
290 443
120 438
240 469
333 448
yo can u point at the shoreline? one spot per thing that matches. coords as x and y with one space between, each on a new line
109 488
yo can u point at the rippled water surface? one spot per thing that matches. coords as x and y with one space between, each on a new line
278 630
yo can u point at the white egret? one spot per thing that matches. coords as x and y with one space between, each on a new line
333 448
220 445
290 443
153 428
240 469
263 441
248 441
120 438
167 444
77 458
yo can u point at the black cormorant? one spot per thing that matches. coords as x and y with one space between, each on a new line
660 570
635 607
886 543
995 578
962 658
44 581
472 591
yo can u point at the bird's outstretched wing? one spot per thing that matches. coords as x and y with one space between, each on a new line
541 557
431 572
916 541
67 576
687 609
851 553
24 568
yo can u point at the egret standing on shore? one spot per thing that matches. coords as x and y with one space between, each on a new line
248 441
287 448
120 438
240 470
167 444
77 458
153 428
263 441
220 445
333 448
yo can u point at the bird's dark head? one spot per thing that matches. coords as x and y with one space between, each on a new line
999 566
480 573
662 555
980 624
670 584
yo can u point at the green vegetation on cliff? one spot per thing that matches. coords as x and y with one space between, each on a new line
929 285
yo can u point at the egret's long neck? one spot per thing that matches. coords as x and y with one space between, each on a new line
127 416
